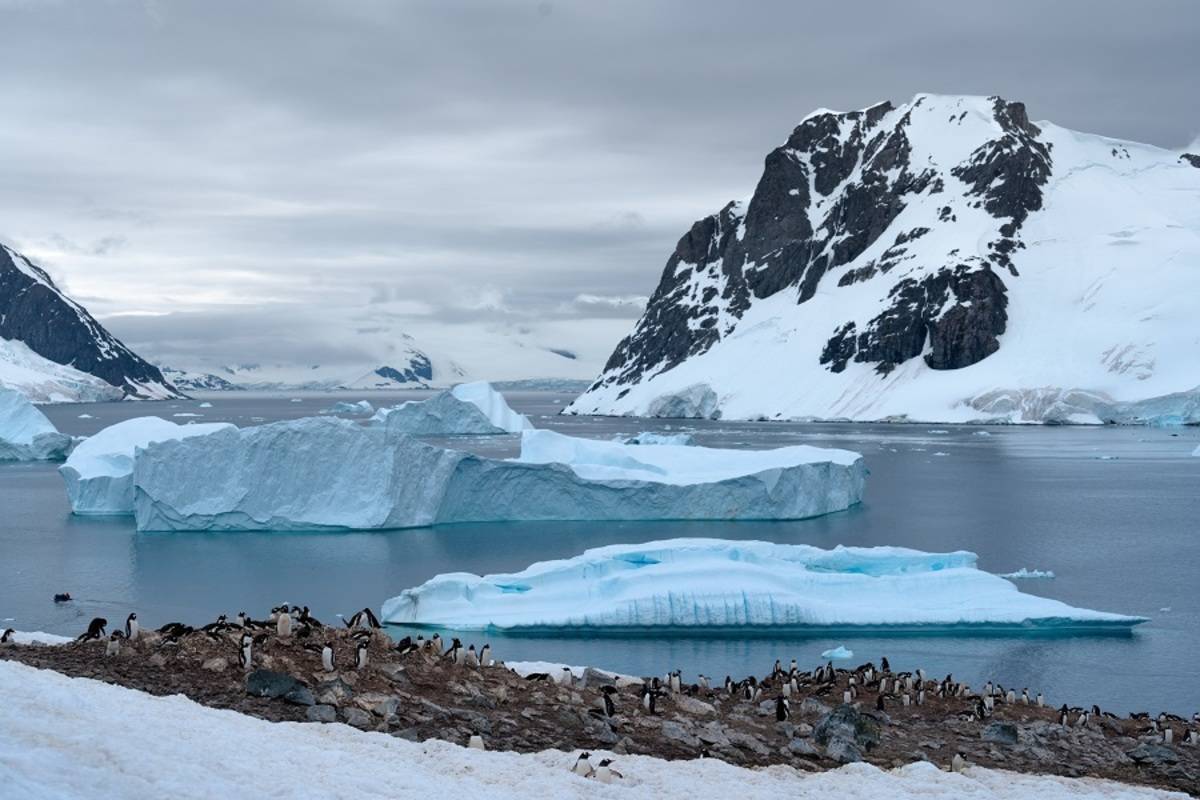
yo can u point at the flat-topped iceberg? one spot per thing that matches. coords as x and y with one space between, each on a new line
469 409
99 473
26 434
322 473
715 584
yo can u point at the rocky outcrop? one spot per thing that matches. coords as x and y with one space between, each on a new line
35 311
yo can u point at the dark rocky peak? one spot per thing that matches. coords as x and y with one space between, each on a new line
1192 159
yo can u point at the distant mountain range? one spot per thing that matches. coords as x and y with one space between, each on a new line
410 369
51 348
944 259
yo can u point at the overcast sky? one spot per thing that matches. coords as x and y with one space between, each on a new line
304 181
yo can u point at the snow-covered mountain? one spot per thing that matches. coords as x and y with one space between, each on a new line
36 315
945 259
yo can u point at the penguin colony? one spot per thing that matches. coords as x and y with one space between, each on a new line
867 686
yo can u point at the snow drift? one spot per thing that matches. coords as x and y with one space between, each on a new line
26 434
99 473
327 473
714 584
467 409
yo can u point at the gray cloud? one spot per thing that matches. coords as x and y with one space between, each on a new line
304 179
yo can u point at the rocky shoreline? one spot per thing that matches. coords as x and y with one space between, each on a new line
421 695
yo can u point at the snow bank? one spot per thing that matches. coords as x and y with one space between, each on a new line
469 409
719 584
652 438
173 747
333 473
346 407
99 473
26 434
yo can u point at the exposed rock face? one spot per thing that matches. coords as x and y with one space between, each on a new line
34 311
1192 159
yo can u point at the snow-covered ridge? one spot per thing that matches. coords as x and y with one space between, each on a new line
43 381
35 312
944 259
714 584
174 747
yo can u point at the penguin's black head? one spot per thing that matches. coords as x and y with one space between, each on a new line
605 762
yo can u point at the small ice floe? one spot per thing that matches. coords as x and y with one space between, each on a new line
1196 452
186 414
1107 458
1028 574
296 400
940 453
981 433
938 431
206 404
1165 609
839 652
86 416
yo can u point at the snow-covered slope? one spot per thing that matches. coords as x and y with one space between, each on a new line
192 381
34 311
79 738
945 259
713 584
43 381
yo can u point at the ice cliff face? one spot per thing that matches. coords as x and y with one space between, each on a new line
918 260
469 409
327 473
715 584
34 311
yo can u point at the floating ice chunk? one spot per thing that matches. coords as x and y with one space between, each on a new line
346 407
717 584
697 401
205 405
187 414
837 653
99 473
86 416
1028 574
26 434
649 437
296 400
326 472
493 405
1196 452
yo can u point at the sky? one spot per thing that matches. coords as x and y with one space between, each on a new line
309 182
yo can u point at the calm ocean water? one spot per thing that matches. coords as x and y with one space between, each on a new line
1114 512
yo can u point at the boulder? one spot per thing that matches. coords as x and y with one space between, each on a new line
278 685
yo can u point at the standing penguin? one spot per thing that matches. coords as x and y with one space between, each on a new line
476 742
95 630
113 648
327 658
958 763
7 636
471 659
455 651
610 708
245 654
676 682
605 773
132 629
360 655
782 709
283 623
583 766
435 644
566 678
648 700
485 656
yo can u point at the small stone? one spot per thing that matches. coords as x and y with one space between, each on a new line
691 705
1000 733
802 747
395 673
321 713
1147 753
594 678
678 733
357 718
158 660
843 751
748 742
217 664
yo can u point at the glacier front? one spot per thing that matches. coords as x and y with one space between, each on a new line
716 584
26 434
330 473
468 409
99 473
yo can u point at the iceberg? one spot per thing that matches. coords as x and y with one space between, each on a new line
26 434
715 584
99 473
469 409
331 473
1196 452
1028 574
346 407
839 653
652 438
697 401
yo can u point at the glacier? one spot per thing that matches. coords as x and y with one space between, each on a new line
715 584
26 434
99 472
331 473
469 409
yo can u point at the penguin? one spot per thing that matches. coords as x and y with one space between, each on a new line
1041 700
471 659
648 700
1010 697
605 773
879 703
132 629
455 651
363 619
794 667
435 644
848 697
485 656
360 656
884 665
1062 715
782 709
1168 735
703 682
327 658
906 699
113 648
610 708
958 763
675 682
1193 738
283 624
787 689
245 654
96 629
583 766
62 597
728 685
7 636
777 669
243 620
921 697
476 742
